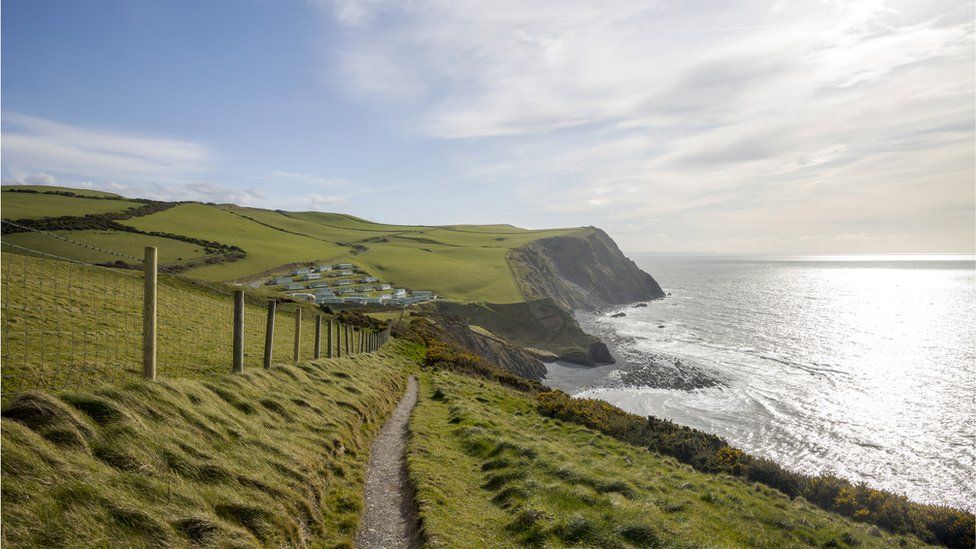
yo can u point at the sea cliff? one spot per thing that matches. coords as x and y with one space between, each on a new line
582 271
557 275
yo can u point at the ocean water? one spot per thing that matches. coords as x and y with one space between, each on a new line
861 366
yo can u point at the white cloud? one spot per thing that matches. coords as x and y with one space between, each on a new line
36 178
728 122
322 202
303 179
75 153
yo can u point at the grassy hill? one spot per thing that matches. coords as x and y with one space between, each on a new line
463 262
20 205
71 325
269 458
277 457
490 471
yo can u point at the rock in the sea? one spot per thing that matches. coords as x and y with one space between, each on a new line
599 353
640 305
618 315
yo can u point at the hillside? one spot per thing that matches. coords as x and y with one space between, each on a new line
462 262
277 457
269 458
521 479
530 279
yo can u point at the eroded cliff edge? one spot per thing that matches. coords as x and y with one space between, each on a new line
585 270
582 271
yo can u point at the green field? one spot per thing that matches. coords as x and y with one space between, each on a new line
490 471
467 263
68 325
266 248
462 262
269 458
15 205
169 251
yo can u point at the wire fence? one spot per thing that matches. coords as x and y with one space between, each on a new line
71 324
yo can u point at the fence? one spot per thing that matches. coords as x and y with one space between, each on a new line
71 323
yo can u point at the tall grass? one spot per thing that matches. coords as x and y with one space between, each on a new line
268 458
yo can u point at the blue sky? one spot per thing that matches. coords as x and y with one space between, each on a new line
740 126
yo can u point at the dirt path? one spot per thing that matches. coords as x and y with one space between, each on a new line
390 518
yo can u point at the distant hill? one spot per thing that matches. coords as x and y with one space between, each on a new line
543 273
463 262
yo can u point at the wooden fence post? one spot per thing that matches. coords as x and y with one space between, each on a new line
328 340
238 331
269 333
338 339
317 352
298 333
346 330
149 315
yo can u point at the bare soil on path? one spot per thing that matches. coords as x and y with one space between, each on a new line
390 516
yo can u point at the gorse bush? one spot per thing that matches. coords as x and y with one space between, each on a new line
709 453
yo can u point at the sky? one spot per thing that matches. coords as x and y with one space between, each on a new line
731 126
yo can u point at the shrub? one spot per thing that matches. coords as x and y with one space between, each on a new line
709 453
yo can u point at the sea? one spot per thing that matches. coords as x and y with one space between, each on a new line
861 366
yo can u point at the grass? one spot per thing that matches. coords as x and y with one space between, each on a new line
131 244
15 205
266 247
466 273
468 263
517 478
71 325
55 188
268 458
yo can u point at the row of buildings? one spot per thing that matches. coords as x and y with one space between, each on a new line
344 283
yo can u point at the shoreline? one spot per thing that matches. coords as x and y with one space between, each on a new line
727 406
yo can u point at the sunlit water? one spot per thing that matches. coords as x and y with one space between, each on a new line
862 367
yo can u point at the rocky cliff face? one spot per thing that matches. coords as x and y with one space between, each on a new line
584 271
539 325
490 347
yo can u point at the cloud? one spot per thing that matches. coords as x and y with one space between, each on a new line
75 153
726 122
321 202
303 179
212 192
36 178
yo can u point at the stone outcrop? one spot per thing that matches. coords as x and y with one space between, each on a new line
585 270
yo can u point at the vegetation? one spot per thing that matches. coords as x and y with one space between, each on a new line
35 205
709 453
171 252
539 325
266 248
490 471
271 457
463 262
72 325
